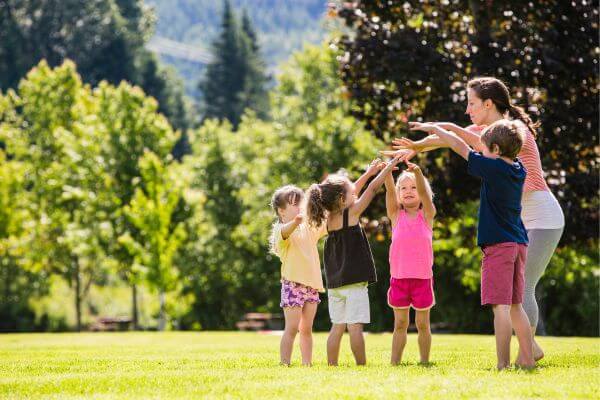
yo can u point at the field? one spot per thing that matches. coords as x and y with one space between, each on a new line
245 365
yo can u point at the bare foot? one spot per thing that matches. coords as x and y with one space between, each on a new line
527 367
538 353
502 366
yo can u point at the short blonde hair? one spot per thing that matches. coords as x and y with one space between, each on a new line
408 174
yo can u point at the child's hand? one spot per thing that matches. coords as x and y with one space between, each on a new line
412 167
375 166
398 158
298 219
422 126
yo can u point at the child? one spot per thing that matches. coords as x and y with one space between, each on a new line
410 209
295 242
348 261
500 233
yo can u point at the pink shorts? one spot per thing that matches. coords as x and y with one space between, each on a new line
409 292
503 273
294 294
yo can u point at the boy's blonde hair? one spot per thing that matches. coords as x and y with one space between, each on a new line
505 134
408 174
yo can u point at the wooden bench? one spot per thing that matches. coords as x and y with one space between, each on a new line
260 321
111 324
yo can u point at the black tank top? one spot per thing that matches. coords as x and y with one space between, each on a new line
347 256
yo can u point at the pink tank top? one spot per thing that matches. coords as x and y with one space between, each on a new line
411 252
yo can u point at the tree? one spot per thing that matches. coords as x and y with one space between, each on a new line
133 127
105 38
412 60
55 138
237 171
151 211
234 81
256 82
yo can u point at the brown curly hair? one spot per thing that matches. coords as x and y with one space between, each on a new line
326 196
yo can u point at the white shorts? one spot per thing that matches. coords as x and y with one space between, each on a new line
349 304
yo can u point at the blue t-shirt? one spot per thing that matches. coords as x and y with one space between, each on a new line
500 199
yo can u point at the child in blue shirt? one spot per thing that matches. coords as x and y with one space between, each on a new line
500 233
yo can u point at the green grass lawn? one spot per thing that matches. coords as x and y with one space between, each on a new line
245 365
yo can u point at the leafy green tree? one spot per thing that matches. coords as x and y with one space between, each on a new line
133 127
151 211
237 172
105 38
56 137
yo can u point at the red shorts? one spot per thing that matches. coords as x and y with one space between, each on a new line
503 273
407 292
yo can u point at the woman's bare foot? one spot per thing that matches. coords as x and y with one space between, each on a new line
538 353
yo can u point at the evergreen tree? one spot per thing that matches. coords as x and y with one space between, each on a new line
235 79
256 95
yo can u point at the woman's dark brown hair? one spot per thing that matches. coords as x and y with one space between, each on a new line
495 90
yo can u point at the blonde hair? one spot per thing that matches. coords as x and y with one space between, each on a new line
408 174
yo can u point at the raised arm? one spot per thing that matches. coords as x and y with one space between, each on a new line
457 144
373 168
473 139
391 199
365 199
429 210
288 228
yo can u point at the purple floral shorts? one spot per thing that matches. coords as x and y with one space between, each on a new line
295 294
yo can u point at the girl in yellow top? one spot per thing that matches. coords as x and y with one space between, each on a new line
295 242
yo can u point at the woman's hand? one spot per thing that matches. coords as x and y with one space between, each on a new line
423 126
404 153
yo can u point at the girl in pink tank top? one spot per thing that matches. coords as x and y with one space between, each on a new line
410 208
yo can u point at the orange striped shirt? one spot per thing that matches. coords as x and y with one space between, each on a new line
530 157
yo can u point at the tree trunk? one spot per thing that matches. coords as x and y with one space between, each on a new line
77 280
162 321
134 307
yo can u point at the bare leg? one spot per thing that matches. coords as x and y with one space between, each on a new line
401 320
357 343
306 322
503 332
424 329
292 321
520 322
538 353
333 343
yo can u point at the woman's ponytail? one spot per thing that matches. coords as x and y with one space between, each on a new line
516 112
